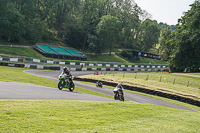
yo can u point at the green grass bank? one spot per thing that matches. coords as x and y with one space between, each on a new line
30 52
90 117
87 116
182 85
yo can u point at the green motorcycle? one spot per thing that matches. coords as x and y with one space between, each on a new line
65 82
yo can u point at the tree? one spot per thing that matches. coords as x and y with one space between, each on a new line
128 14
12 26
149 34
164 44
107 32
34 27
76 22
185 41
74 36
91 14
35 30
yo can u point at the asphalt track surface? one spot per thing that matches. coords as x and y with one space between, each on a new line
20 91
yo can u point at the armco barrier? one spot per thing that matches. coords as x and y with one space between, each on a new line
78 69
147 91
116 69
90 64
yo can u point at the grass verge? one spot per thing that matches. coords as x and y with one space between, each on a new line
86 116
152 96
28 52
149 61
165 85
106 58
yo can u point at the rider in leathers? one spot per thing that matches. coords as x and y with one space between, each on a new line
99 83
119 88
67 72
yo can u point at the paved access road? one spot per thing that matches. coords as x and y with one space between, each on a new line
128 96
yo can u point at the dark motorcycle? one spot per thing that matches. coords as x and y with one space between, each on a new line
65 82
99 84
118 94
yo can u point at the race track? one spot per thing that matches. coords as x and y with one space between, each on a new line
20 91
128 96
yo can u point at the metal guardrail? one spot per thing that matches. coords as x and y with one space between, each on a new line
83 63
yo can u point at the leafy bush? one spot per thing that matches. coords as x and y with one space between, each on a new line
126 54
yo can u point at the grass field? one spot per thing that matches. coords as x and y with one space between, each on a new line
152 96
149 61
87 116
106 58
27 52
183 85
90 117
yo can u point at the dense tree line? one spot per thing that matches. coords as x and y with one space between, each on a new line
182 46
102 25
97 25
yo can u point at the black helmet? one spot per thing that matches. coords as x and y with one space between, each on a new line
65 69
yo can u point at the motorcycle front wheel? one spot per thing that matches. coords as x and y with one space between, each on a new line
116 96
121 97
72 87
60 85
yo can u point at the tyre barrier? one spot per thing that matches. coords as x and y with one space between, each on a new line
30 66
11 64
147 91
42 67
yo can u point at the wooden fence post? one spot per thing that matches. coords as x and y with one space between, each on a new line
188 84
174 81
160 78
147 77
